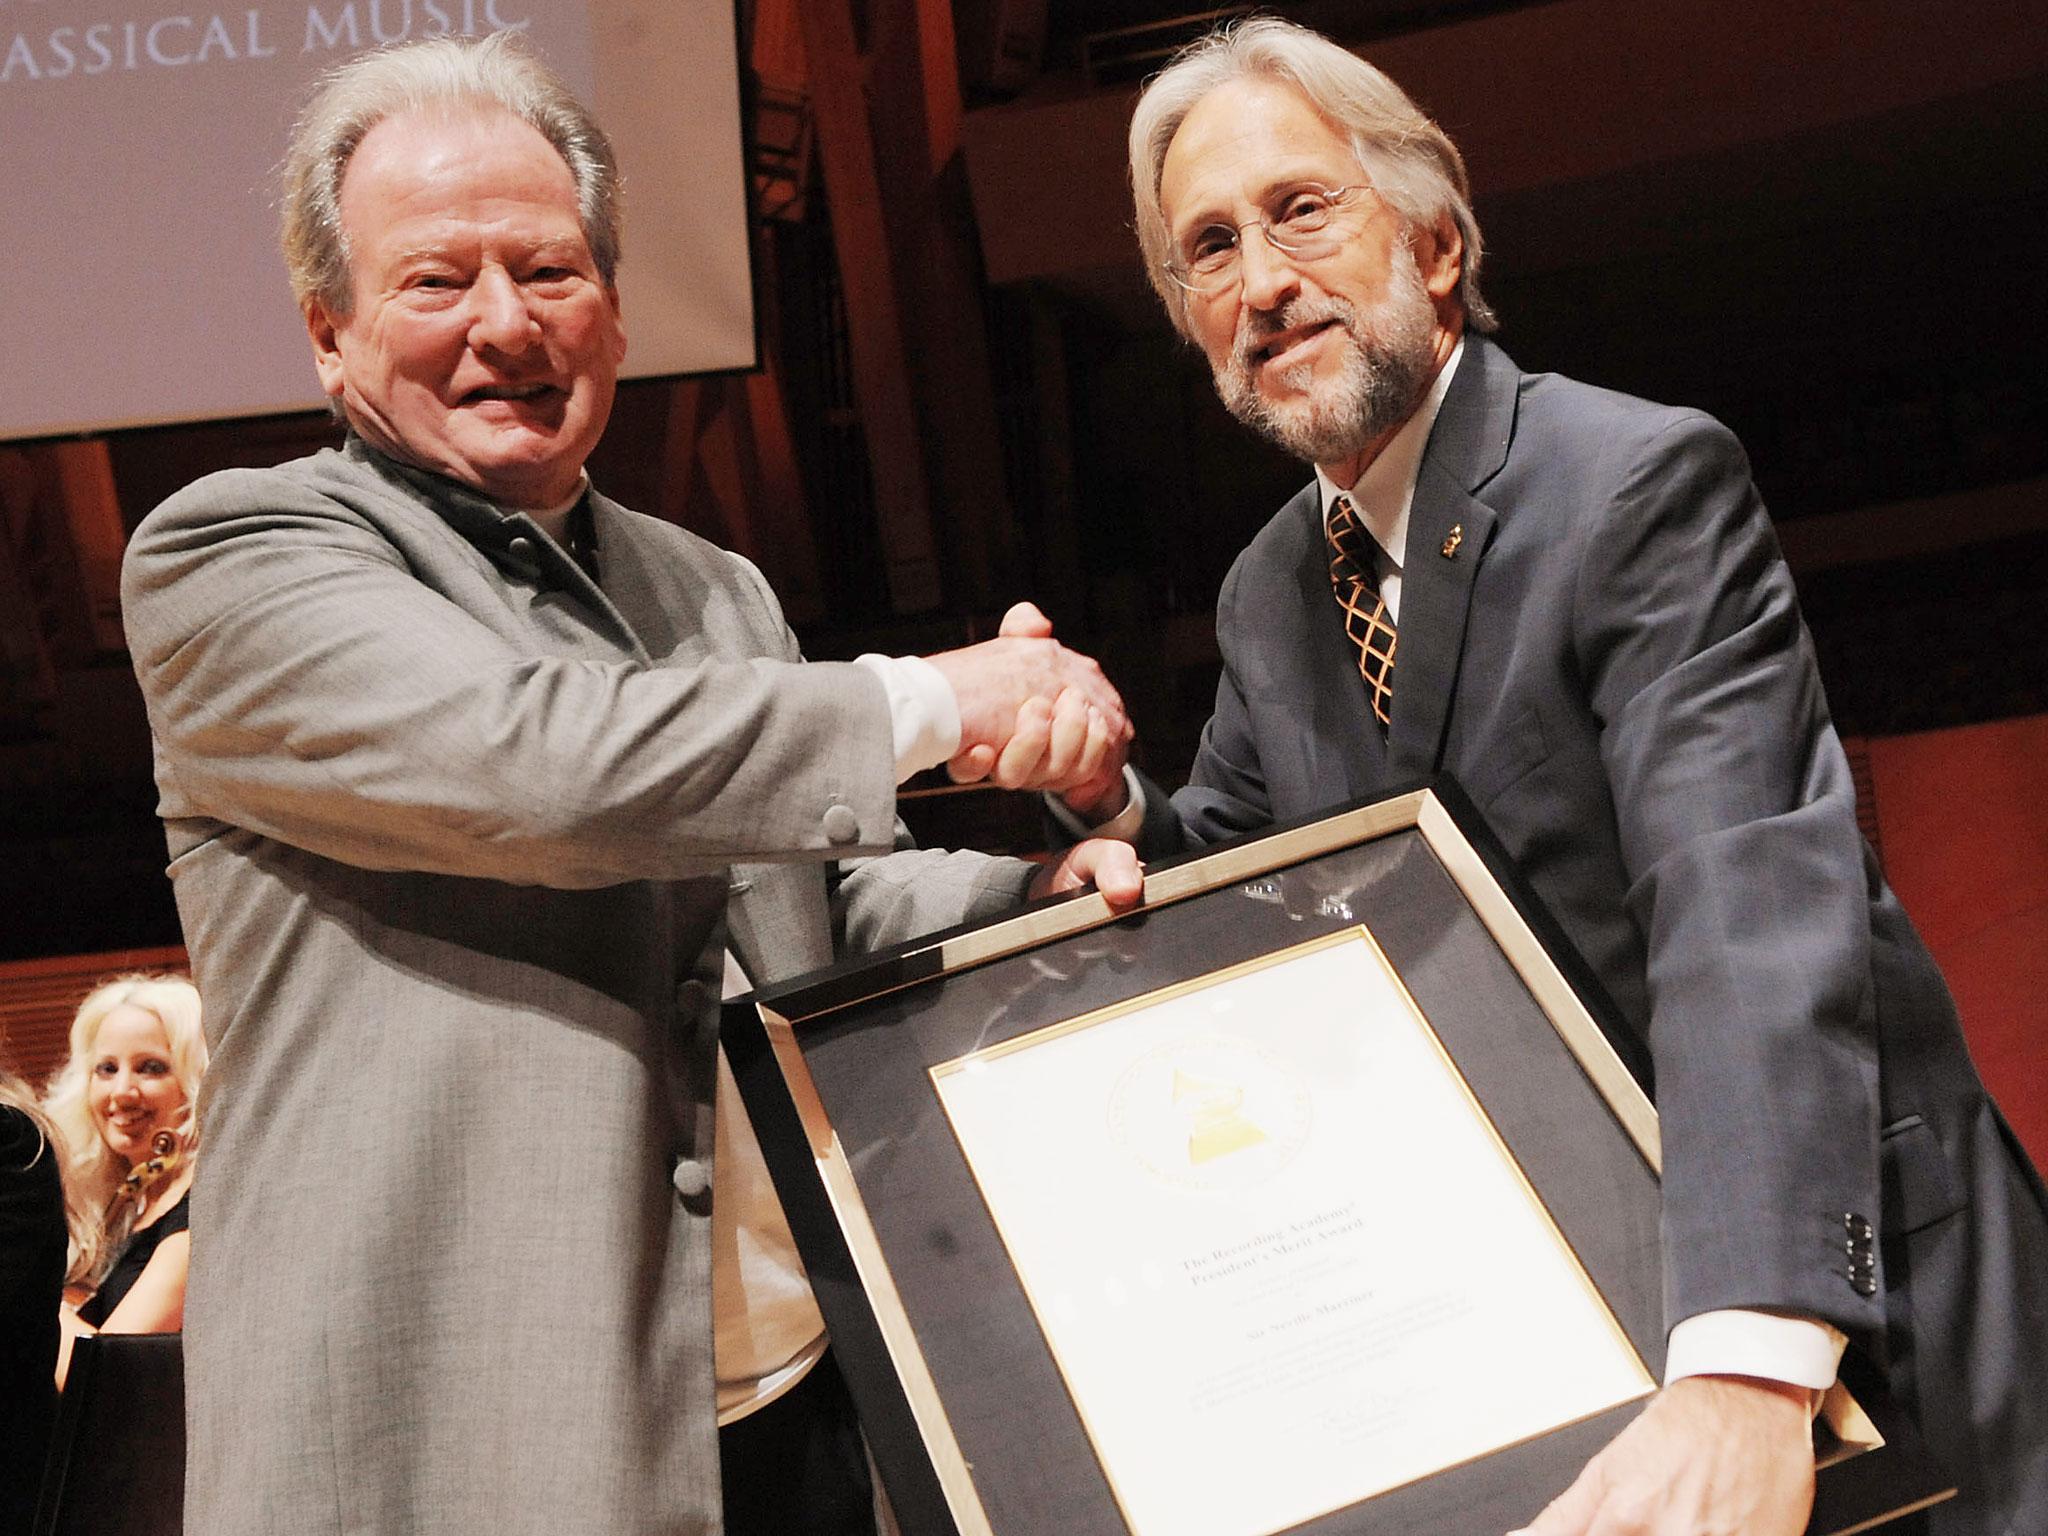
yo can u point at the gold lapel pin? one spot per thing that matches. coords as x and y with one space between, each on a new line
1450 549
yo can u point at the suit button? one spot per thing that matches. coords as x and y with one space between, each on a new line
690 996
842 826
521 548
1864 1282
1858 1227
691 1178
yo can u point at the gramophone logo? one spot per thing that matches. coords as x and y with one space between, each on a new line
1210 1113
1216 1123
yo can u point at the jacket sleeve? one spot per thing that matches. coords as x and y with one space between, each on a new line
878 902
305 681
1746 874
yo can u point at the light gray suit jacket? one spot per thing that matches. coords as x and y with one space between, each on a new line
458 840
1609 658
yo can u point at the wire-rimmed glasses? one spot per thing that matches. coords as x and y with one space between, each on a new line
1304 226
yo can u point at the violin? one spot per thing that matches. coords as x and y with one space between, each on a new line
165 1155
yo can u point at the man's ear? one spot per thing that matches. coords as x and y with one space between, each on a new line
325 333
1440 255
611 293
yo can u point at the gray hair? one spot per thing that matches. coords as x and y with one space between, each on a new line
1414 166
498 72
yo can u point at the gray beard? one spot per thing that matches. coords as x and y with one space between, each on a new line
1388 356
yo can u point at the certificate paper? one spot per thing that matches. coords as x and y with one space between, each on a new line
1281 1257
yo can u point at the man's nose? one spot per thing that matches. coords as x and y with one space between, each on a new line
1265 273
500 317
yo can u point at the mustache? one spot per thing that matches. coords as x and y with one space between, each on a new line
1256 328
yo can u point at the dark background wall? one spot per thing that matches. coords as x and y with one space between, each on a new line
1821 222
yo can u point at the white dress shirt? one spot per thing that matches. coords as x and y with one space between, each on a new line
1386 490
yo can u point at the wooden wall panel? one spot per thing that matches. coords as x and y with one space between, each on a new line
1964 819
38 998
1576 92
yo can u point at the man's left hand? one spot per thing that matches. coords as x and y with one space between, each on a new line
1710 1456
1110 866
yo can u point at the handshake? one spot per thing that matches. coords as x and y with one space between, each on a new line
1035 715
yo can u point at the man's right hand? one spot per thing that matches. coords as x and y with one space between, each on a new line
1033 714
1710 1454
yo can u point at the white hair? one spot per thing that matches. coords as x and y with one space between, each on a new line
1413 165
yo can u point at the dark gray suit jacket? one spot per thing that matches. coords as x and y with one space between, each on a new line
1600 641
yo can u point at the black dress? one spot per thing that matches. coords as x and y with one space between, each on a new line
32 1242
132 1260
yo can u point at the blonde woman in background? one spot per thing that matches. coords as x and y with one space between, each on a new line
123 1104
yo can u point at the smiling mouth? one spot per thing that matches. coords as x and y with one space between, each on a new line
533 391
1287 341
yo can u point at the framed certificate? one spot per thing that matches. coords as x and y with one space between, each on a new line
1313 1196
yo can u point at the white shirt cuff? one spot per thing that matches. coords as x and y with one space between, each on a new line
924 717
1800 1351
1123 826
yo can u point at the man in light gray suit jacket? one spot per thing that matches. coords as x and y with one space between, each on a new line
1572 602
471 779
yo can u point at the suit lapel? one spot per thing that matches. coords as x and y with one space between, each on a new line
1436 598
652 614
1449 531
562 571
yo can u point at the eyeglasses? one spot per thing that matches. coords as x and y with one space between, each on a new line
1304 227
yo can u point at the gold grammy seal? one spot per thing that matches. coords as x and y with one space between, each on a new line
1217 1126
1210 1112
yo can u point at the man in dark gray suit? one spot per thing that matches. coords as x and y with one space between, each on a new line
472 779
1572 602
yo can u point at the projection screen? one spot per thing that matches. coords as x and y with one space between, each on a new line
138 150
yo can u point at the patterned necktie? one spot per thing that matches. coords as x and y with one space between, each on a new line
1366 619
